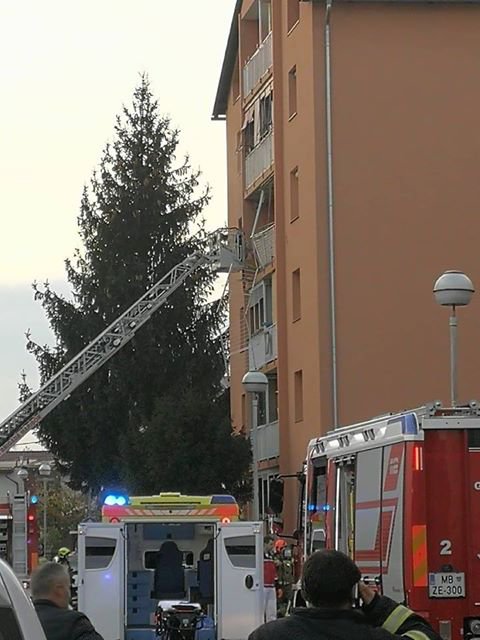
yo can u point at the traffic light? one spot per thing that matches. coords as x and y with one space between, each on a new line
32 534
32 523
34 499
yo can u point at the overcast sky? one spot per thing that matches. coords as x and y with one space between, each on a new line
65 70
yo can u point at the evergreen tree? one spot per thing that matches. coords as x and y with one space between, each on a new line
155 415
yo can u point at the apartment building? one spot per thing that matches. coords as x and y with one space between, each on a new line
353 151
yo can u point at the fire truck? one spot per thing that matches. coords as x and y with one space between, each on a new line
171 566
19 533
223 252
400 494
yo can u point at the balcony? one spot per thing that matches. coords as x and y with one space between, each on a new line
259 160
257 66
264 245
262 347
268 441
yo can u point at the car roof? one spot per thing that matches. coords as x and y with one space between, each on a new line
13 596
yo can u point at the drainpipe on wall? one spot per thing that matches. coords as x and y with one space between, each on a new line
11 479
330 208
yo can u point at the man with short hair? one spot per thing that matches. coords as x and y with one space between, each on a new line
50 589
328 583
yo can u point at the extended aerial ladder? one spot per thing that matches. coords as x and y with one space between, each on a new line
224 253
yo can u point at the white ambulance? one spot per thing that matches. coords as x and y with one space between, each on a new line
149 562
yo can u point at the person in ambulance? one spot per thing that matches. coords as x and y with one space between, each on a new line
329 584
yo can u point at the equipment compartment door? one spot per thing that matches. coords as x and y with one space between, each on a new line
101 577
239 579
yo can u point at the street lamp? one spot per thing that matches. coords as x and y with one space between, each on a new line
22 473
255 382
453 289
45 470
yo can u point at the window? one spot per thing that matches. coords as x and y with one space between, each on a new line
294 198
257 122
266 103
267 286
268 403
249 132
262 496
316 504
99 552
293 13
260 306
257 316
272 398
265 18
298 395
275 494
241 551
292 92
296 296
345 508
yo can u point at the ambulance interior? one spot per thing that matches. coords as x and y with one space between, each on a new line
168 562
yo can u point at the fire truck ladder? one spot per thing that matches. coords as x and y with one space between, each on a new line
224 253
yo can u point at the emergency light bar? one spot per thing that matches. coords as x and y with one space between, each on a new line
115 499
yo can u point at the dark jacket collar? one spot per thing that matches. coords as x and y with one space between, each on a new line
316 613
45 601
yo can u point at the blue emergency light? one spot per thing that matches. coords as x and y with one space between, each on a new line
113 499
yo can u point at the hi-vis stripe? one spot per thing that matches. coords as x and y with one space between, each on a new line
169 512
416 635
419 555
396 618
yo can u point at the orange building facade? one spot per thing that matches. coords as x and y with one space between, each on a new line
353 150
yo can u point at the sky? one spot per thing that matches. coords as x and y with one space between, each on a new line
66 69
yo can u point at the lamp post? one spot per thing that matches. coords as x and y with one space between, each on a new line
453 289
45 470
255 382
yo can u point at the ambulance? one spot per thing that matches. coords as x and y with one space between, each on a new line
171 566
400 494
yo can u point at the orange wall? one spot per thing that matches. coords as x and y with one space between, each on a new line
407 207
406 104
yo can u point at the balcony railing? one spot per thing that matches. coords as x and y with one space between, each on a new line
264 245
259 160
257 65
268 441
262 347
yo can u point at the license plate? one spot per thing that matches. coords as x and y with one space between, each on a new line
446 585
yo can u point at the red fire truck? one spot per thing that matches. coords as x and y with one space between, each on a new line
401 495
19 533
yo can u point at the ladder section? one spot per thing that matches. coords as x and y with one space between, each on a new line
224 252
19 535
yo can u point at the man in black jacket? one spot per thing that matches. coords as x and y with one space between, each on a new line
50 588
328 581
